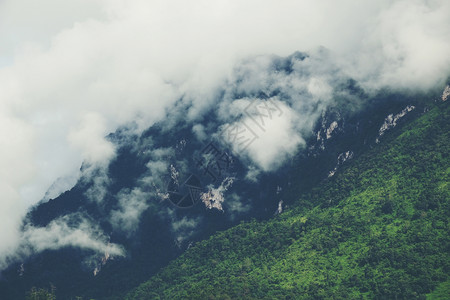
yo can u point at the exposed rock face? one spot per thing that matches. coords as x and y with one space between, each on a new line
446 93
342 158
391 121
214 197
330 129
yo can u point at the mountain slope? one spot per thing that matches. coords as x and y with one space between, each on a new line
377 229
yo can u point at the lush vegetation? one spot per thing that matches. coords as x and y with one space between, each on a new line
441 292
376 230
41 294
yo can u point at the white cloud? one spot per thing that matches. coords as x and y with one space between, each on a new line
280 139
12 212
58 234
98 178
234 206
89 139
271 138
131 205
403 46
253 174
183 228
31 27
184 224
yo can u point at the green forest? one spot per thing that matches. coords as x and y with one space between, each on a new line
378 229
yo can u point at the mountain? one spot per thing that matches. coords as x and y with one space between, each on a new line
126 204
377 229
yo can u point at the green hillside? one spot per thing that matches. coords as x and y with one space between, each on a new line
379 229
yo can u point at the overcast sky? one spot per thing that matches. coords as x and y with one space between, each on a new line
73 71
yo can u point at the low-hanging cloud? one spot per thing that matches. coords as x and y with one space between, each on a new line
68 81
58 234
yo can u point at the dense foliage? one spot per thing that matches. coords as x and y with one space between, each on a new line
41 294
377 229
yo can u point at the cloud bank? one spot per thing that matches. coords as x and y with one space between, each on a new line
77 71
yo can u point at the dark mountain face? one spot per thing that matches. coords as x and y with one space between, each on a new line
163 191
385 212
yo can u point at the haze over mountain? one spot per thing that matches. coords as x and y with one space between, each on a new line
106 108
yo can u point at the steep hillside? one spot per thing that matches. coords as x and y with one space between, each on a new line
156 231
377 229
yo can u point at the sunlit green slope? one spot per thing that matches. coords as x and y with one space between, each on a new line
376 230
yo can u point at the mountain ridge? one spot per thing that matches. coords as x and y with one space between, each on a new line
154 243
